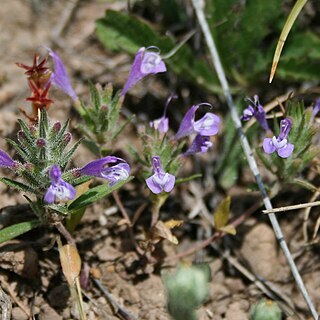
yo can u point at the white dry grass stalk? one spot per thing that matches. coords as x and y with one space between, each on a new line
294 207
199 9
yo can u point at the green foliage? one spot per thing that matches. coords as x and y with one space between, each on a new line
246 39
101 118
246 33
265 310
301 134
187 289
94 194
40 147
157 144
18 229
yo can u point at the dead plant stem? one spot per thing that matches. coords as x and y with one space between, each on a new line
199 9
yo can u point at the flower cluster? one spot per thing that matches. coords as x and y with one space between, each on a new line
149 62
270 145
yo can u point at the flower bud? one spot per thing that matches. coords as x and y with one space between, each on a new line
56 127
33 130
104 108
21 136
41 143
67 137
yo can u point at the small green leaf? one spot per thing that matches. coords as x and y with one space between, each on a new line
221 214
190 178
94 96
17 230
95 194
17 185
60 209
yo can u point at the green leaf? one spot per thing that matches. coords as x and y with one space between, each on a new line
305 184
221 214
26 156
190 178
58 208
285 31
69 154
17 185
18 229
94 96
95 194
74 219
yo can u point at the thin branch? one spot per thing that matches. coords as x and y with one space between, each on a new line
199 8
119 310
294 207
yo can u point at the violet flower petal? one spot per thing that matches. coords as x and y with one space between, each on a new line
152 63
59 190
261 117
286 151
95 167
160 180
161 124
285 127
186 126
62 191
248 113
316 109
208 125
59 77
153 184
199 144
144 63
268 146
114 173
6 160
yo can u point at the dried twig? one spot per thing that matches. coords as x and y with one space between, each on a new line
14 297
217 235
199 8
266 287
294 207
118 309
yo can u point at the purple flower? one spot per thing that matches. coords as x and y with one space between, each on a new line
280 144
6 160
145 63
256 111
59 77
160 180
208 125
59 190
199 144
162 124
98 168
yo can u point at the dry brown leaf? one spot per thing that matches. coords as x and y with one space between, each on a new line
162 231
70 263
221 214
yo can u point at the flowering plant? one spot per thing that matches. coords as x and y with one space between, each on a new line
44 156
